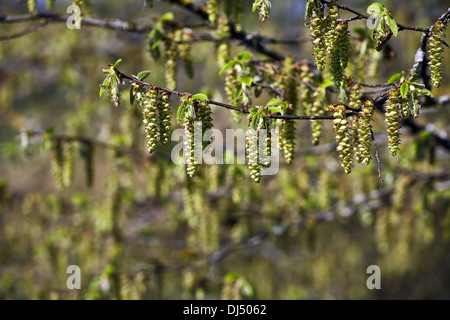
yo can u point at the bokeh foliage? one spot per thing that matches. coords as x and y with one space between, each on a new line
139 228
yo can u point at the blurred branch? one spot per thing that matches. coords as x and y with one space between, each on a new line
33 28
88 141
253 41
114 24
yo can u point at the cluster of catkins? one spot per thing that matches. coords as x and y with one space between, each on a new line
353 138
258 146
156 117
63 153
196 120
330 37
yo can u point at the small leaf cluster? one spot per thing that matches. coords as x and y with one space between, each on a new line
111 83
384 25
237 80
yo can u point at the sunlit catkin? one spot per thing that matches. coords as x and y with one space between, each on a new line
165 117
252 151
171 61
343 135
205 114
223 48
317 27
151 119
392 118
364 131
189 145
340 52
318 109
435 49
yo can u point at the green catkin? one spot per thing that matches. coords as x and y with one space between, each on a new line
355 97
340 52
343 135
306 93
171 61
212 11
31 5
331 34
287 135
435 49
405 109
189 145
267 151
151 119
415 107
392 118
289 85
223 49
364 132
316 26
165 117
230 87
183 36
68 155
252 149
204 111
57 163
319 98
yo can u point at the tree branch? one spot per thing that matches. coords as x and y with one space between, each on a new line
225 105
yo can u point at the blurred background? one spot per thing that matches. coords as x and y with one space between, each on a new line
138 228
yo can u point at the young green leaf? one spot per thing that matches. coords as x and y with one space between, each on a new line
199 96
392 25
143 74
394 78
106 83
424 91
274 101
375 9
404 89
228 66
180 113
245 56
168 16
253 111
274 109
117 63
247 81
